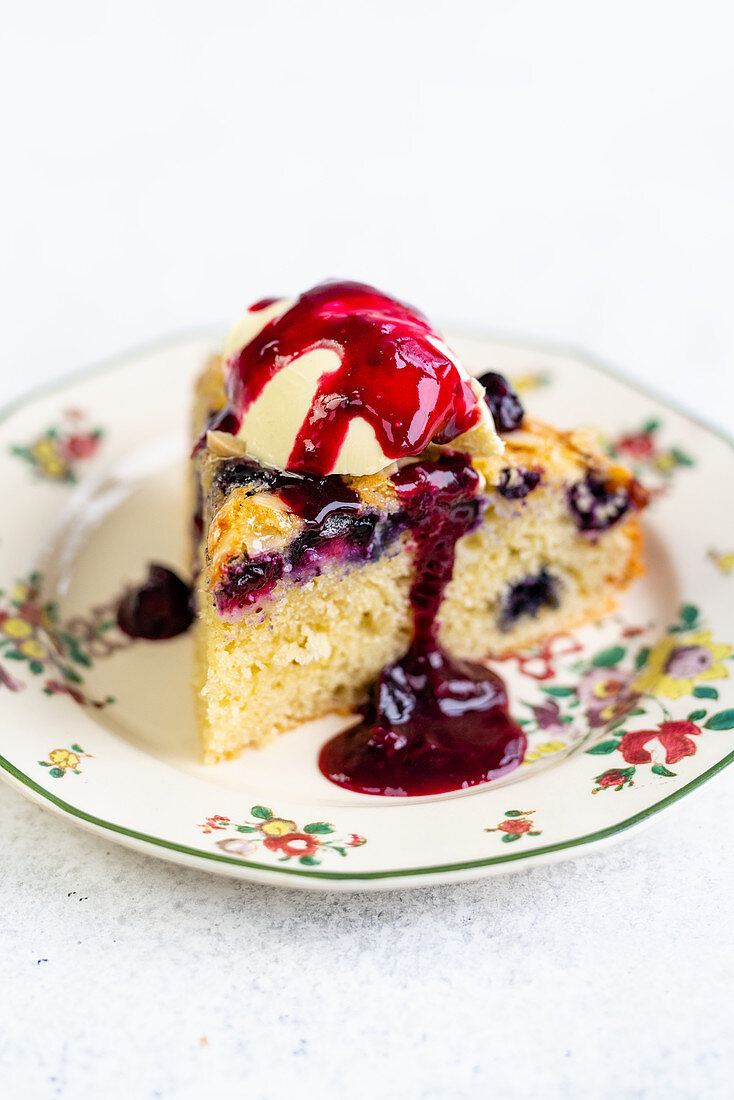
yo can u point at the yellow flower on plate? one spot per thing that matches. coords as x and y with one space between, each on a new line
278 826
679 662
47 456
17 628
32 648
545 749
63 758
20 593
524 383
551 746
724 562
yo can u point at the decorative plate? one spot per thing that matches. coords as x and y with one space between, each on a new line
622 718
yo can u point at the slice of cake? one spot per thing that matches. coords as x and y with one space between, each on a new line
368 520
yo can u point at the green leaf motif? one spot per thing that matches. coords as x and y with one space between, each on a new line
515 813
559 692
44 763
702 692
650 426
609 657
35 667
660 769
318 827
696 716
641 658
336 848
688 614
724 720
57 773
262 812
308 861
603 748
507 838
77 748
246 829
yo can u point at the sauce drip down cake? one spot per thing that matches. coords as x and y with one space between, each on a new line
369 524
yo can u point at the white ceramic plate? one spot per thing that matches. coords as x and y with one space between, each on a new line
622 718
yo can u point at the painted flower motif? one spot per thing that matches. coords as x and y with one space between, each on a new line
215 822
617 778
293 844
548 716
636 445
723 562
608 694
61 761
237 845
55 454
539 662
64 758
278 826
17 628
32 632
678 663
546 748
516 824
532 380
9 682
642 448
33 649
675 738
281 836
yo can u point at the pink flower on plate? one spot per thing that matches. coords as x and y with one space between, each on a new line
608 695
548 717
79 445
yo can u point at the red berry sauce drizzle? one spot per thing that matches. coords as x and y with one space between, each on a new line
392 373
433 724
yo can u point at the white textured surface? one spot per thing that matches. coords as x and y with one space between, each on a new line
559 170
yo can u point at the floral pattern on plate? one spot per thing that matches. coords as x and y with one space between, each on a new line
650 460
33 636
56 454
61 761
517 823
281 836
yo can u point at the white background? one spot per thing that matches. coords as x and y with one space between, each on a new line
560 170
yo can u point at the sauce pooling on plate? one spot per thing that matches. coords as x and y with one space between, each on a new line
433 724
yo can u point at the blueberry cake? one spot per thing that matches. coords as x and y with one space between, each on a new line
369 519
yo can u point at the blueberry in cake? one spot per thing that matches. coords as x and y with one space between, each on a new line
369 523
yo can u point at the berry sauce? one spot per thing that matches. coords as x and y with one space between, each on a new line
392 372
433 724
160 607
262 303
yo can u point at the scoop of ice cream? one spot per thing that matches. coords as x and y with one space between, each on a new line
345 380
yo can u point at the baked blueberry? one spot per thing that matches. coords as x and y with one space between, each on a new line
596 504
504 404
